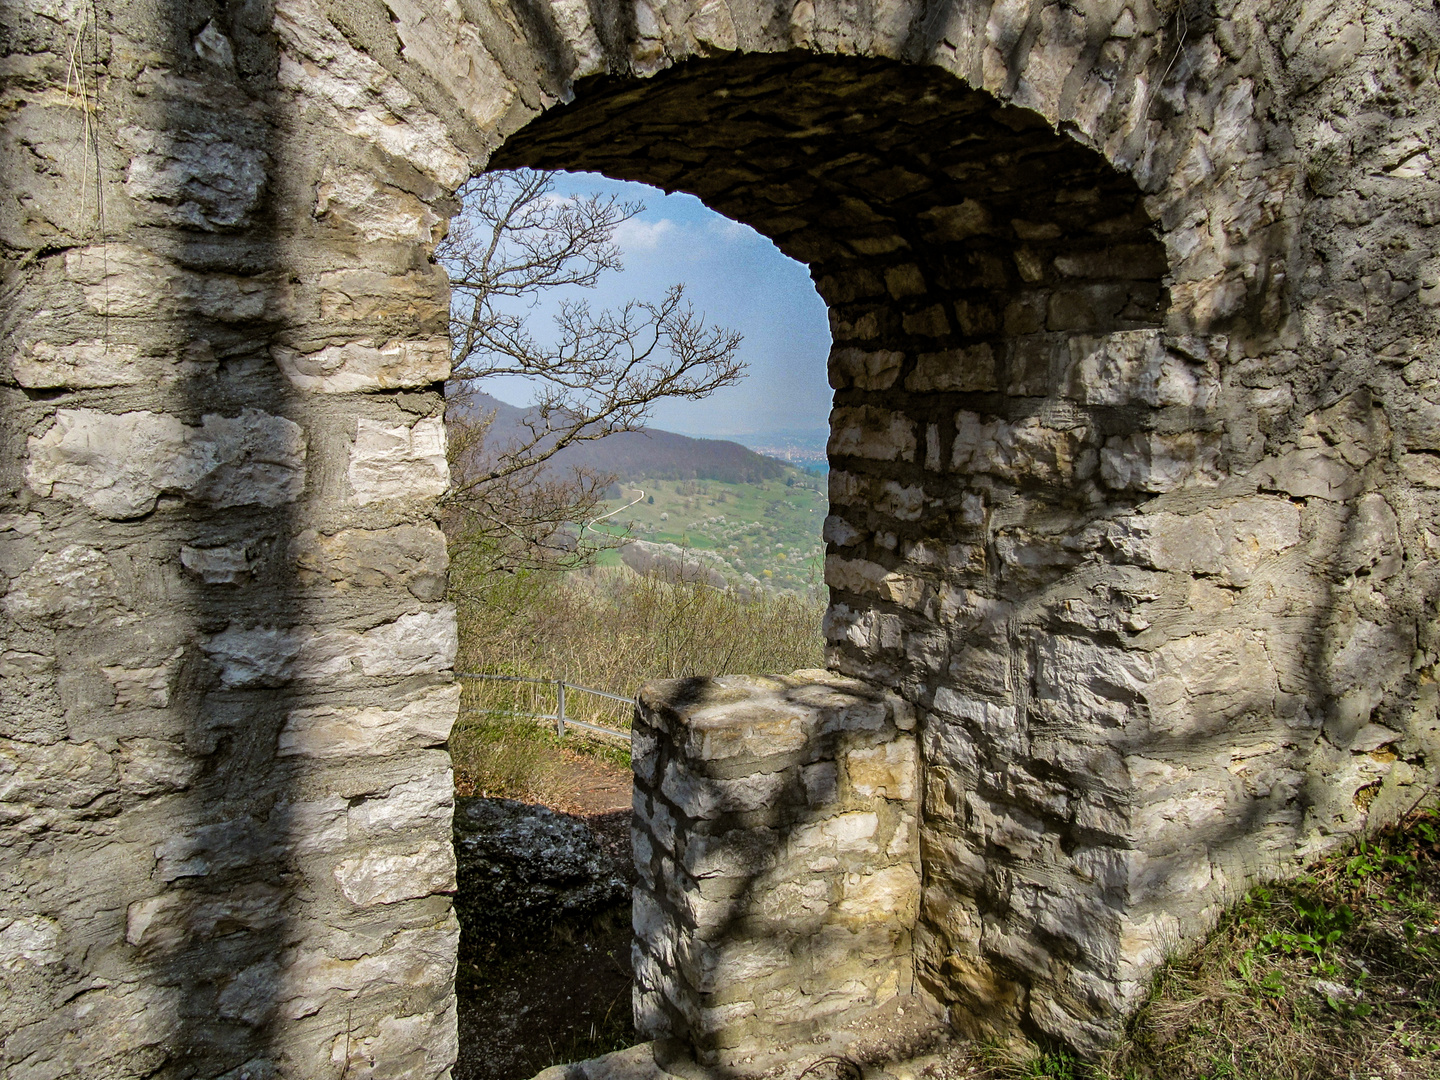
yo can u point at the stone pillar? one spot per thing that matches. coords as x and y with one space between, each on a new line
777 847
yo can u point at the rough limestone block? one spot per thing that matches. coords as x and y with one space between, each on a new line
864 370
195 179
706 797
889 771
1154 462
413 556
1023 451
75 586
417 644
222 565
416 959
146 687
163 922
43 365
126 280
868 432
1137 366
1313 472
970 370
335 731
120 464
360 96
398 462
1228 542
377 211
363 365
408 304
418 807
383 877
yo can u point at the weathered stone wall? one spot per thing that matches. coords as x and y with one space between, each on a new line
777 843
224 794
1135 469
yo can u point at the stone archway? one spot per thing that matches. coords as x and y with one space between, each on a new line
1003 385
1147 541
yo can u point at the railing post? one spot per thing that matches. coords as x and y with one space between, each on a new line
561 719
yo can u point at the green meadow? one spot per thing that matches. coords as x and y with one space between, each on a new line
770 529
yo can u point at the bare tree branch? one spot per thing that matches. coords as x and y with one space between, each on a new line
514 240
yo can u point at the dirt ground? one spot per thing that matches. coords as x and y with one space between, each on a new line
566 997
592 788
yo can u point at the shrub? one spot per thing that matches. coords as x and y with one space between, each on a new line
612 630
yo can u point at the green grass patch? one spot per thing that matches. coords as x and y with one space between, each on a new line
1332 976
770 530
509 758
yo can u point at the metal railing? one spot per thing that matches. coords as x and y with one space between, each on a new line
559 718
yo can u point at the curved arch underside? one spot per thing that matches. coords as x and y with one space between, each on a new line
996 292
897 185
1007 401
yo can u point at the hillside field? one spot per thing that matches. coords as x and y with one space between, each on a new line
769 529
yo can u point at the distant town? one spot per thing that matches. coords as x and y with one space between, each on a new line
805 448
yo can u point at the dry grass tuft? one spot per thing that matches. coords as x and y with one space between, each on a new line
1333 975
505 759
611 630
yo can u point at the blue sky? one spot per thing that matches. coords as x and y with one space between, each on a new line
735 277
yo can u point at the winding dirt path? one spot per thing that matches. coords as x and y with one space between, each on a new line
590 787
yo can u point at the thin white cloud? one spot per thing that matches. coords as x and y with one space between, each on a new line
730 231
637 235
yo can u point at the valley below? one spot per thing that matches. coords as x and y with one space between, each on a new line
758 534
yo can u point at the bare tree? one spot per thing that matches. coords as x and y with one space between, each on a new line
602 373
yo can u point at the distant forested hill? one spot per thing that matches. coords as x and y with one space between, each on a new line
657 454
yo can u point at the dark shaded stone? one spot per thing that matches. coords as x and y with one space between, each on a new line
524 870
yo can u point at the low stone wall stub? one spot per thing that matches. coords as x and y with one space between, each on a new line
776 841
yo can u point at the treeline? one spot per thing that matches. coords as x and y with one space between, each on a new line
663 455
627 455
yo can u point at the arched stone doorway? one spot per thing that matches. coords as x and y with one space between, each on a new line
1141 522
997 295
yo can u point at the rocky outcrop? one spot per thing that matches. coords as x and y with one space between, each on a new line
523 870
674 563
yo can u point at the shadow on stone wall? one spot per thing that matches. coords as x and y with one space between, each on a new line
220 937
1054 525
231 806
1144 530
776 839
